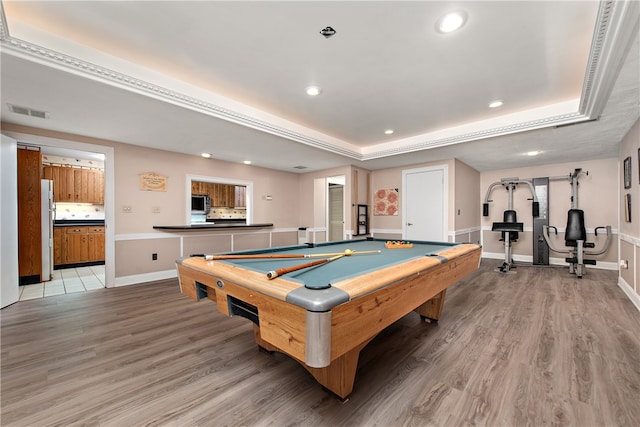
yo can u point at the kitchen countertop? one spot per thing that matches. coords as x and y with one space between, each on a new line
211 226
77 222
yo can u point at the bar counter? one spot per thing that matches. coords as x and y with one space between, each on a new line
210 226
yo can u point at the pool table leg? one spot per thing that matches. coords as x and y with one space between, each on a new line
432 309
338 377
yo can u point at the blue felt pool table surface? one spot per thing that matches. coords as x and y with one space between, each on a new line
348 266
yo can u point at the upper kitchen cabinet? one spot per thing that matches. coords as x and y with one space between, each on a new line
221 195
240 196
76 185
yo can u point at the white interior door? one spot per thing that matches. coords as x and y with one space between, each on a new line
336 212
425 210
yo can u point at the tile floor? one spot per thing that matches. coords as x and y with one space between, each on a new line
66 281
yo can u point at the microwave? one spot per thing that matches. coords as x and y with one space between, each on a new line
200 203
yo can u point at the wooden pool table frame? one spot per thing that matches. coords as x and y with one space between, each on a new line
376 300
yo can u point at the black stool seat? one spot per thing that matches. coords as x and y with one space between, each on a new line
507 226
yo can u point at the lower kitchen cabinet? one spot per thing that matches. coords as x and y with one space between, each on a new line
77 245
59 236
96 244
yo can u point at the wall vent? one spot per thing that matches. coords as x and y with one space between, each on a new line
25 111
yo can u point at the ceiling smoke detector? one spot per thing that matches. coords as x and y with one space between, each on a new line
328 32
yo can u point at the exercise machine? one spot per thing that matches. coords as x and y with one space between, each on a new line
509 227
575 235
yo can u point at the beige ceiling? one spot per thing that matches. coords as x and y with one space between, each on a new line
229 77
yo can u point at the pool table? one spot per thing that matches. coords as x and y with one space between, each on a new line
324 315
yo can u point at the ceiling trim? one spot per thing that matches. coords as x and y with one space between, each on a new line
617 25
562 119
614 32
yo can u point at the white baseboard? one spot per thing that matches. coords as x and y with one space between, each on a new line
633 296
603 265
147 277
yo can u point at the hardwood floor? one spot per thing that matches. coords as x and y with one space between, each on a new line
535 348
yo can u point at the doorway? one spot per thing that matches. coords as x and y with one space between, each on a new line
335 207
425 210
107 154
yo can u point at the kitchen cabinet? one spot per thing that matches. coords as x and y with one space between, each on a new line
59 234
78 244
75 184
221 195
240 196
224 195
96 243
199 188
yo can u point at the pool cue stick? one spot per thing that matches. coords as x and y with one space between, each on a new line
347 252
285 270
276 256
254 256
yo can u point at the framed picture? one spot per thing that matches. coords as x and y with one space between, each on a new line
627 172
627 207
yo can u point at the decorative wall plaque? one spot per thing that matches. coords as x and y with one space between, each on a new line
151 181
385 202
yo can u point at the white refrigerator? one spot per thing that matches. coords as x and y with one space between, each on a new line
48 215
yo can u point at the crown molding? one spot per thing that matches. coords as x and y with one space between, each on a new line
616 25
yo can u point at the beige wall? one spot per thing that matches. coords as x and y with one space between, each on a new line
597 196
467 203
311 195
630 231
464 184
281 210
136 239
298 200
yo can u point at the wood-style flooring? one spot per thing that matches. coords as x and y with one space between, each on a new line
535 348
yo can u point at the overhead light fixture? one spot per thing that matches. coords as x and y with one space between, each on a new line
206 155
533 153
247 162
388 132
313 91
495 104
451 22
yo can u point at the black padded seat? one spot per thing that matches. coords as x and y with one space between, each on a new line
510 216
575 227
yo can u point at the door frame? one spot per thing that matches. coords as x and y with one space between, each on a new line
445 192
109 189
9 275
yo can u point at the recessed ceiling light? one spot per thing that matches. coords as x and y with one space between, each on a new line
451 22
313 91
205 155
533 153
247 162
495 104
388 131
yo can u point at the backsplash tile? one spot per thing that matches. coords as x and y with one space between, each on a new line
227 213
79 211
